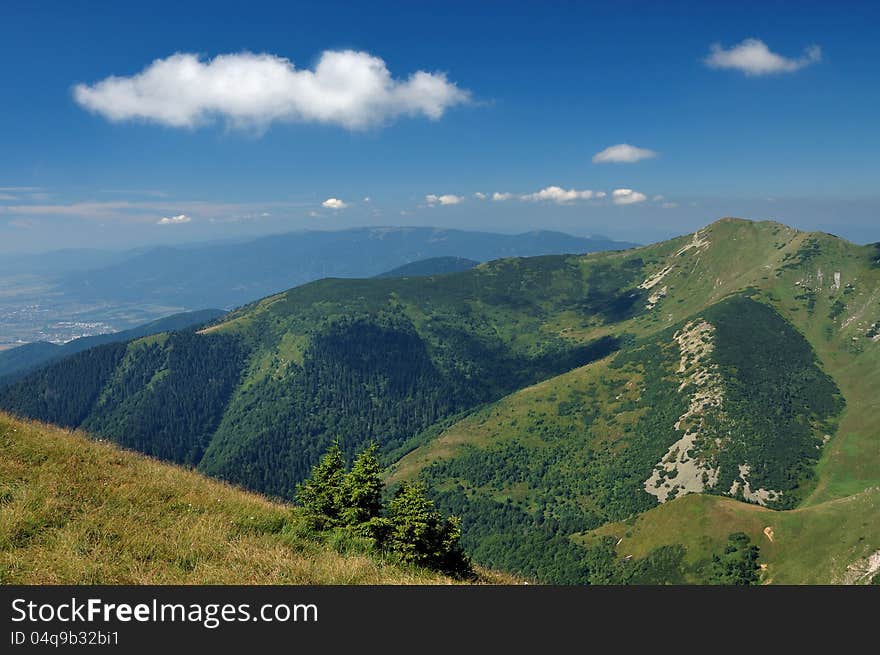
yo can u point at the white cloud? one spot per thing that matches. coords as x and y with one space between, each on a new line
559 195
627 197
753 57
446 199
500 197
348 88
334 203
479 195
367 199
174 220
622 153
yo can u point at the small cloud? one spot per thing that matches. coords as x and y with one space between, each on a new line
446 199
333 203
558 195
21 223
669 205
314 214
500 197
480 196
174 220
627 197
622 153
367 199
753 58
658 198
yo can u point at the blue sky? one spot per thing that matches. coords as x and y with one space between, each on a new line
532 92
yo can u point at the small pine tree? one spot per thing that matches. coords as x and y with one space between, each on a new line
362 489
420 535
321 496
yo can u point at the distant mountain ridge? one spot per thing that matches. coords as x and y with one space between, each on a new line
229 274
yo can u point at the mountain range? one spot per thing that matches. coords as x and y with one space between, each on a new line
229 274
600 417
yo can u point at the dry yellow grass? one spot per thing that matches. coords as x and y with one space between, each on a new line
76 511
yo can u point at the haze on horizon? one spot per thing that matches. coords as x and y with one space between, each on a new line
634 121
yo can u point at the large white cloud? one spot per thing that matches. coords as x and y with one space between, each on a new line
348 88
627 197
622 153
174 220
753 57
334 203
445 199
561 196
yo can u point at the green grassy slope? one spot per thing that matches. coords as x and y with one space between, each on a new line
73 511
826 543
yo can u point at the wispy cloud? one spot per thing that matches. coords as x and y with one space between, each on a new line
622 153
22 223
150 193
174 220
479 195
13 193
348 88
754 58
124 211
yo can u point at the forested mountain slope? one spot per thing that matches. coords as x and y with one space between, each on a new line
541 398
17 361
432 266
